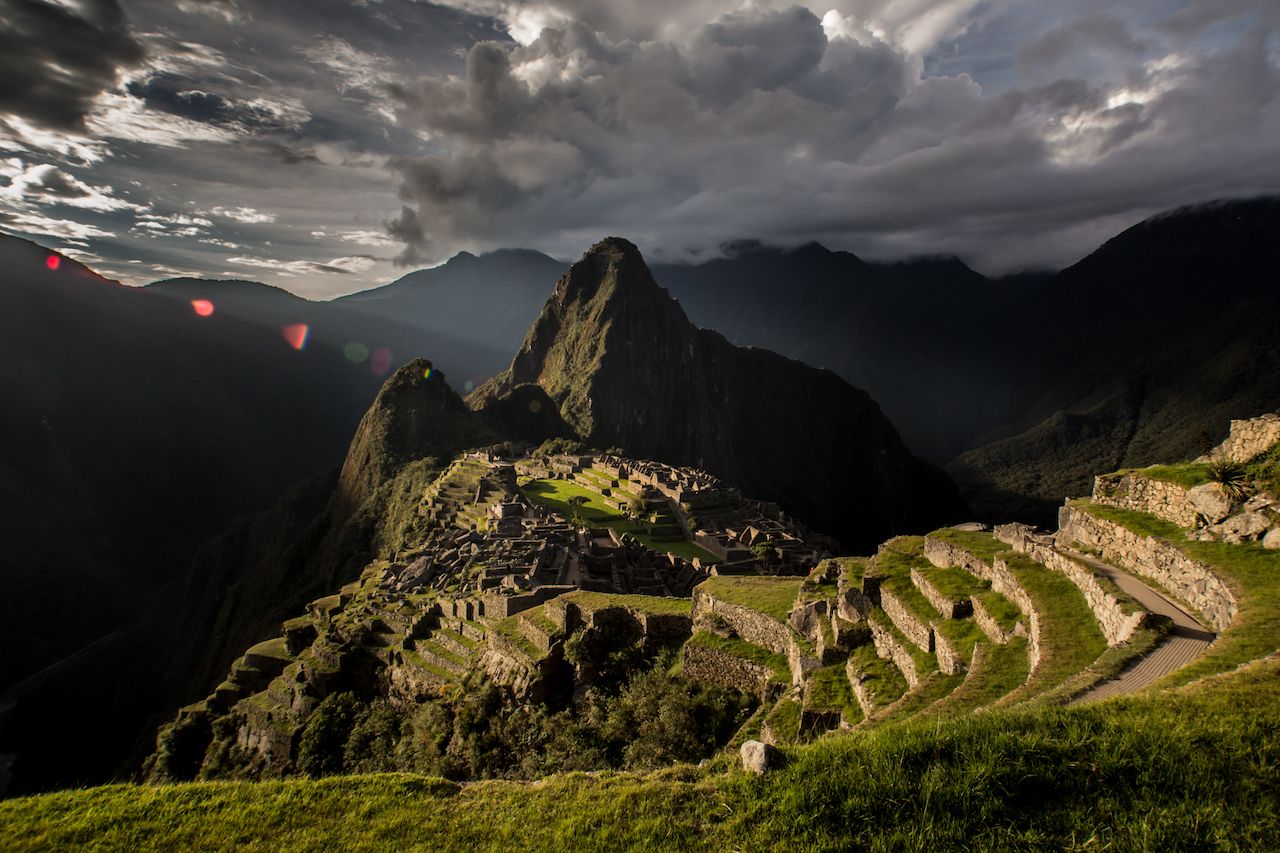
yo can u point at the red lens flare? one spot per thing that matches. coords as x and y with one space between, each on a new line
53 262
295 335
202 307
380 361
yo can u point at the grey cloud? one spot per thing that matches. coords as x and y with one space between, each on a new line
1092 34
758 124
54 62
746 50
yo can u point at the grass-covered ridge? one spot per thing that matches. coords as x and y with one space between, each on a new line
1193 769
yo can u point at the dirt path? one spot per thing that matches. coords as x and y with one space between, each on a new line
1186 642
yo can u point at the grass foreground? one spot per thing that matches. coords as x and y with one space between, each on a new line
1194 768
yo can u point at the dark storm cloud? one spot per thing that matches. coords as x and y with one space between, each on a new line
309 141
54 61
770 121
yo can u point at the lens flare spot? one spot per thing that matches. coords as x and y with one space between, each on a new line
295 334
202 307
380 361
469 386
356 353
426 374
53 262
535 406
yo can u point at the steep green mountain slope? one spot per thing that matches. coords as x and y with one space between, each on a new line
626 368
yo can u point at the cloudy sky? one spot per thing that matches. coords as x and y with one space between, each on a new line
326 146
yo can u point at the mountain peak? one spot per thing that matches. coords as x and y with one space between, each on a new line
626 368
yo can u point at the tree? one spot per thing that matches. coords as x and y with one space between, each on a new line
576 503
764 552
635 507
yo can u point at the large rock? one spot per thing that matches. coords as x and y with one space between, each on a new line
1272 539
1210 502
1243 526
759 757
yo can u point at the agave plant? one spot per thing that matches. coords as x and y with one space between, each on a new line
1231 477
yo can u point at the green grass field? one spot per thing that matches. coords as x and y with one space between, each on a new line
596 512
772 596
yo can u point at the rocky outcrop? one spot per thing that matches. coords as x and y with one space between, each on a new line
1190 580
627 369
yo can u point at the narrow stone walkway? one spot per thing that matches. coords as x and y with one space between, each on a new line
1185 642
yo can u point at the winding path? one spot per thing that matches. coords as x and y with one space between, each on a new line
1185 642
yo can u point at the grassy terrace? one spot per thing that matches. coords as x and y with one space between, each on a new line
1001 669
960 634
879 676
1252 572
924 661
1188 474
935 687
1128 774
784 720
829 690
588 600
555 494
955 584
740 648
509 630
1002 610
1070 639
772 596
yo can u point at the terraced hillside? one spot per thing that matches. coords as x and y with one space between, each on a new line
1164 585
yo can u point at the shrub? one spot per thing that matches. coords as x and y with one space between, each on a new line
1231 477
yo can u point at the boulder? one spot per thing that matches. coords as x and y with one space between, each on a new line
1272 539
1243 526
759 757
1210 502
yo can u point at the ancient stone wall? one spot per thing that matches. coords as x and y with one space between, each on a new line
1135 492
1249 437
1190 580
750 625
945 555
949 656
995 633
726 670
1118 620
888 647
949 608
913 629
